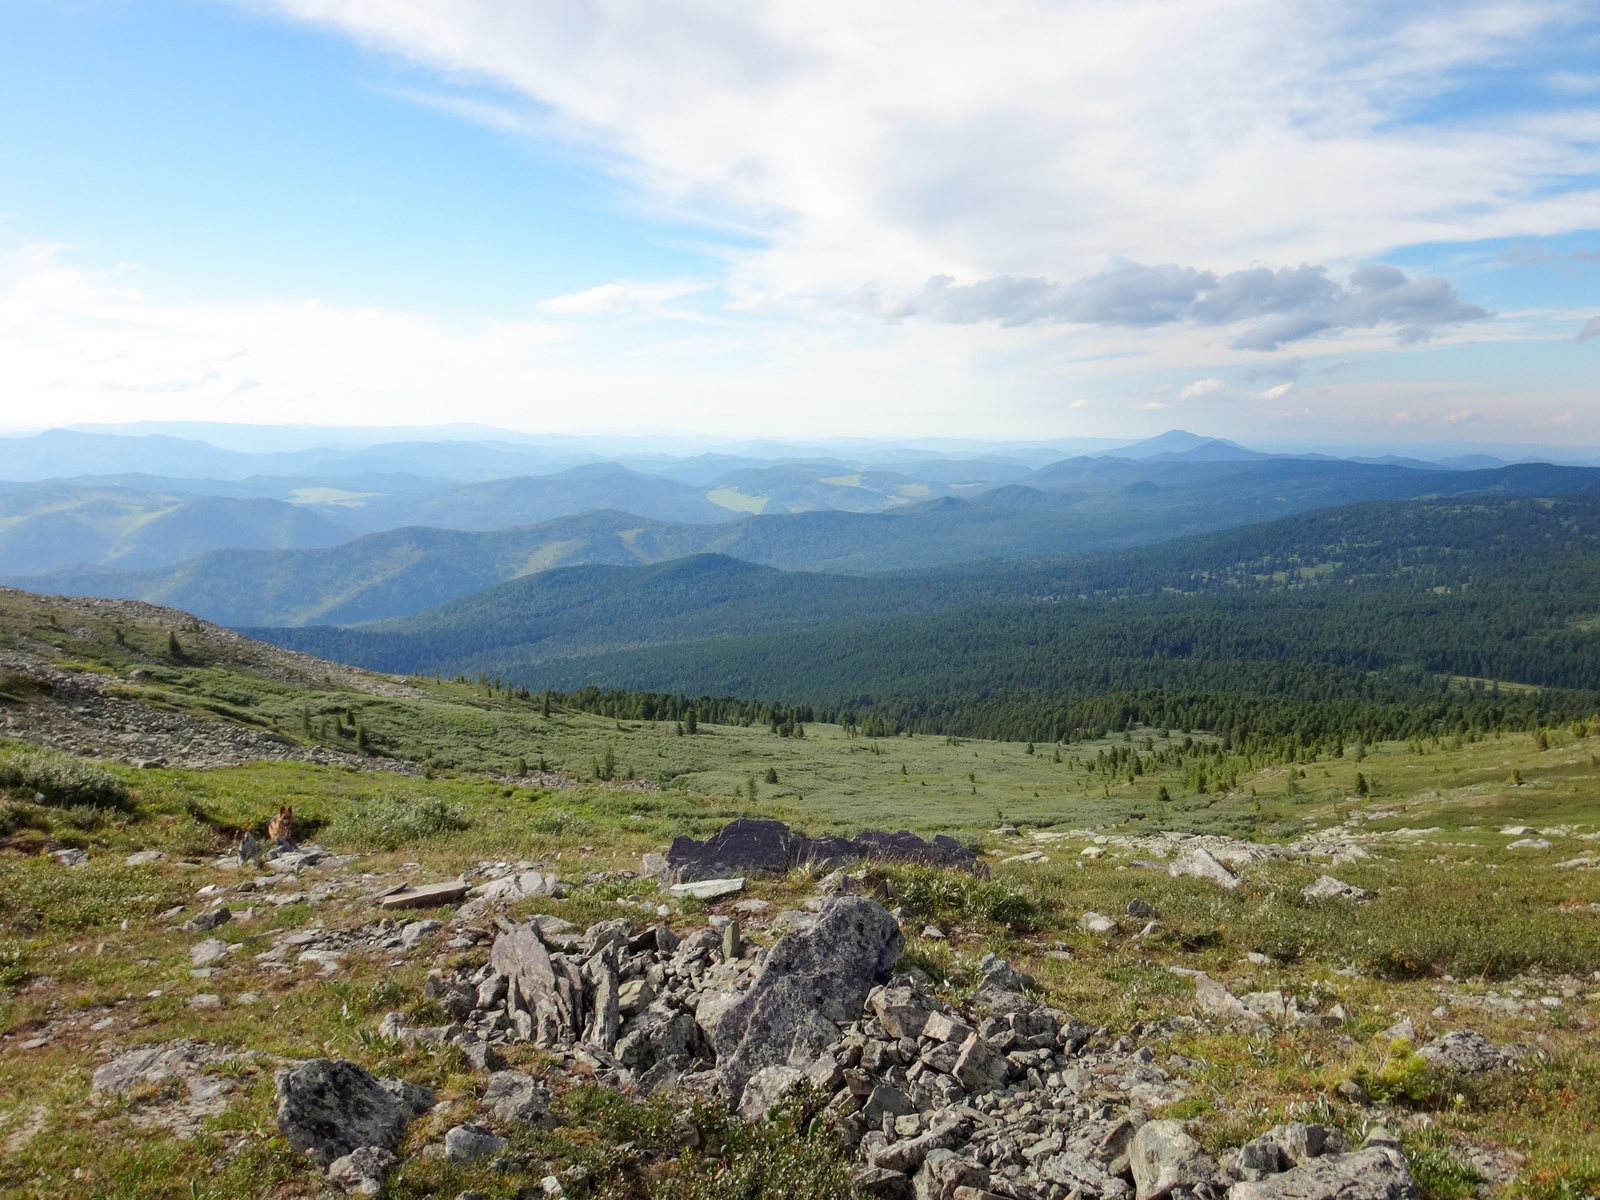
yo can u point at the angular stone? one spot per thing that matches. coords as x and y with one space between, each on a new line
1163 1157
943 1172
902 1011
886 1099
980 1068
1093 922
1142 910
1379 1173
429 895
527 885
1199 864
363 1172
944 1028
1217 1000
468 1143
997 972
812 982
212 950
882 1185
1328 888
482 1057
520 956
515 1096
908 1155
211 919
143 858
328 1108
767 1087
707 889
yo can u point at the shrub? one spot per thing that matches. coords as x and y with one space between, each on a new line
388 822
933 892
62 780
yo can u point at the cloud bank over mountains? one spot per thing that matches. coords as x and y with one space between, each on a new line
1287 304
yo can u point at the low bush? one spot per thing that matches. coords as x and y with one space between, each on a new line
389 822
932 892
61 779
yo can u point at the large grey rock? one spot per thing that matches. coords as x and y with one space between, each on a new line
1200 865
328 1108
363 1172
1163 1157
998 973
514 1096
811 983
1217 1000
1328 888
1466 1050
151 1065
657 1035
209 951
767 1087
468 1143
943 1172
882 1185
531 982
210 919
1378 1173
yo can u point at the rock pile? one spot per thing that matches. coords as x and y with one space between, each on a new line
750 846
1003 1097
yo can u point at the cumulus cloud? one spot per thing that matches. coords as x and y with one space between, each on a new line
1285 305
1201 387
1000 142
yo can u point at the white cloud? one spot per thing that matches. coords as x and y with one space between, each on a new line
1202 387
1277 393
1286 305
608 298
1027 139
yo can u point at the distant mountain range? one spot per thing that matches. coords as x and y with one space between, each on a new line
1075 506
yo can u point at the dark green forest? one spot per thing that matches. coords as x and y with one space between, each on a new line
1364 622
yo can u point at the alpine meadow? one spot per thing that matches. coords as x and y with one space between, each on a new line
855 602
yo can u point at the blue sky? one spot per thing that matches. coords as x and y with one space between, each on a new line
1026 220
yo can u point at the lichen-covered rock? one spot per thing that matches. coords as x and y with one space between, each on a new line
1466 1050
767 1087
1164 1158
812 982
1200 865
328 1108
468 1143
515 1096
1328 888
363 1172
1378 1173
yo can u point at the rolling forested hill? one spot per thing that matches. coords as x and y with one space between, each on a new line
1371 604
1110 504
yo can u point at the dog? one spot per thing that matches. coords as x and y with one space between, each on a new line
281 827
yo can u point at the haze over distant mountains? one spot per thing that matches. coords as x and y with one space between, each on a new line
296 534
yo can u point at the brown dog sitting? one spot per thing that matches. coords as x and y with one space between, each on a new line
281 827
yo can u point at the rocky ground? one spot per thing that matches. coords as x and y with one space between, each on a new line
930 1089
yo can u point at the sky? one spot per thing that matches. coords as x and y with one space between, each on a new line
1026 219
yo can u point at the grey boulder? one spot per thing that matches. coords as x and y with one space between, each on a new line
363 1172
328 1108
514 1096
468 1143
1378 1173
766 1090
1328 888
1165 1158
1466 1050
812 983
